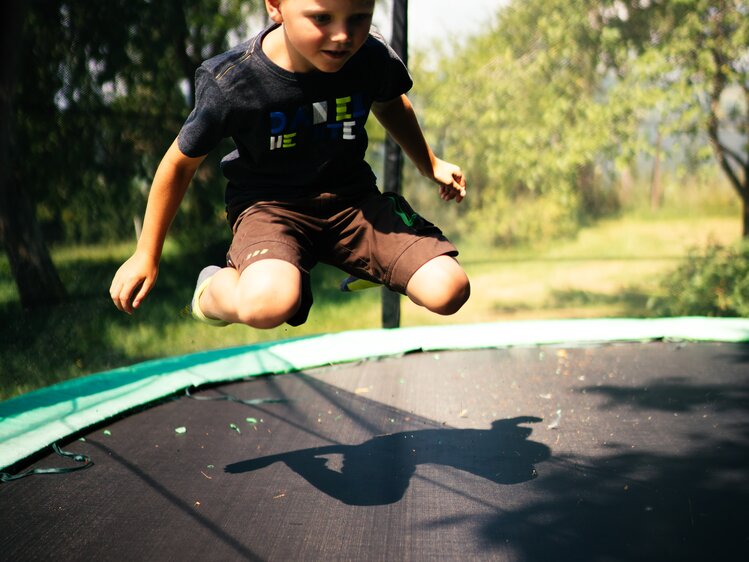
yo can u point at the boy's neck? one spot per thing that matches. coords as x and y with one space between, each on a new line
275 48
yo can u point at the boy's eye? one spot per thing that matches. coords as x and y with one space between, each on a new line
320 19
360 18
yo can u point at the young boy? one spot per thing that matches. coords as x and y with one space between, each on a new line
295 100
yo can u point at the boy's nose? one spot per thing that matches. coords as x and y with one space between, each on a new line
341 34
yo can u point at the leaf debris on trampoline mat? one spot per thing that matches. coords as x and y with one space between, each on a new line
180 430
555 424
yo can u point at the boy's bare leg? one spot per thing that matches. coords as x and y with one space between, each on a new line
440 285
265 295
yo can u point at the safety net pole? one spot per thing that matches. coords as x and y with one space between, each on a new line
394 155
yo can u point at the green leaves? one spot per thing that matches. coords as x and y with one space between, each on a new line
561 96
712 282
104 89
522 112
691 63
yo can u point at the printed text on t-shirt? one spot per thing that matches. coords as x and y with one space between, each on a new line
336 120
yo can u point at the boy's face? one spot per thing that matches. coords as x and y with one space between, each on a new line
322 34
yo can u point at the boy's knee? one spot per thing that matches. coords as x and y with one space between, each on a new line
267 301
264 319
460 296
268 310
451 297
441 286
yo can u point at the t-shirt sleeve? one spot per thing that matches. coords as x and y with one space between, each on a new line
206 125
394 78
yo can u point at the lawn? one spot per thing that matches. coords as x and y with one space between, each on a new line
608 270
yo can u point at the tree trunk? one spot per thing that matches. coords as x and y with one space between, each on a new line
723 154
655 178
586 186
35 275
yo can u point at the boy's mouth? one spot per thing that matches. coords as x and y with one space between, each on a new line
337 55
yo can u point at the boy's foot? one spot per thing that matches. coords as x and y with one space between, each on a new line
355 284
203 279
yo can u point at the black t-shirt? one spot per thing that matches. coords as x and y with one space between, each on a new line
296 134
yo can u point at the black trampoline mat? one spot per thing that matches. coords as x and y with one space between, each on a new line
615 452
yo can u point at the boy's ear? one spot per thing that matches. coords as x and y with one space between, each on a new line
274 10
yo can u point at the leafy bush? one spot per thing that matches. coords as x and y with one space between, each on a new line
711 282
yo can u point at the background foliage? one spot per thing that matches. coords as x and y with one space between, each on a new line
558 111
104 89
554 110
561 106
600 139
711 282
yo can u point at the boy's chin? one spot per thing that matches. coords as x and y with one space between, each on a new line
329 64
328 68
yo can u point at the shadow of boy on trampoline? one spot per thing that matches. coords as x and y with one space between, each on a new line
378 471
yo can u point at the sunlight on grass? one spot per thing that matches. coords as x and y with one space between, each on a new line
608 270
615 264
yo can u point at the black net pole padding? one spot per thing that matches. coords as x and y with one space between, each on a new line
85 461
391 314
399 40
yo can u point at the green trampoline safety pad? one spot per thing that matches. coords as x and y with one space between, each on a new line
33 421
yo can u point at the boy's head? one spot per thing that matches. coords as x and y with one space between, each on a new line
321 34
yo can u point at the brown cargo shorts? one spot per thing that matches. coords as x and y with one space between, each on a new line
373 236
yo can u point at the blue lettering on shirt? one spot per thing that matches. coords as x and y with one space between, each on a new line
323 120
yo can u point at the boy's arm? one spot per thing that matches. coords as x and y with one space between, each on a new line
399 119
139 272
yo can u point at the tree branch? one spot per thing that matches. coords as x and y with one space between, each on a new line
738 158
719 82
181 41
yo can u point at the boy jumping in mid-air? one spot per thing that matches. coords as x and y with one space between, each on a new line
295 100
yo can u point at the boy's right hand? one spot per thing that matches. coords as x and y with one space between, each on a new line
137 275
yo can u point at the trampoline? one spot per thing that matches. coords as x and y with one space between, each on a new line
563 440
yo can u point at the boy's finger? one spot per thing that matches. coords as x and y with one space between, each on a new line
123 294
458 191
122 301
126 298
120 297
145 288
461 186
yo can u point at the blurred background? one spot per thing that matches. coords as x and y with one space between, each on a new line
605 144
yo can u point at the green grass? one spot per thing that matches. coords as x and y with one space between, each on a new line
87 334
608 270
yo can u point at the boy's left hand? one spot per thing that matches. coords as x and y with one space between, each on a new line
451 181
